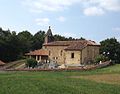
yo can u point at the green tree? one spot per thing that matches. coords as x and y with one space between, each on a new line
31 63
25 38
4 36
38 40
59 38
9 46
111 49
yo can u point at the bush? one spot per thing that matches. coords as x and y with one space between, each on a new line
100 58
31 62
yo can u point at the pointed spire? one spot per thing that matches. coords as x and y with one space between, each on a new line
49 36
49 32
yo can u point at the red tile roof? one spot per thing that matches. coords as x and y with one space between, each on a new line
73 45
41 52
1 63
70 45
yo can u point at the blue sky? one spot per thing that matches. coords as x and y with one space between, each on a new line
91 19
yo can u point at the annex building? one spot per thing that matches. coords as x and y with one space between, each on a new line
65 52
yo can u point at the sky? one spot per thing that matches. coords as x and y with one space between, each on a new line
91 19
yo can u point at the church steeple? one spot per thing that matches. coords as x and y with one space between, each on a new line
49 36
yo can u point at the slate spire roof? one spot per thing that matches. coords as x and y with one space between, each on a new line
49 37
49 32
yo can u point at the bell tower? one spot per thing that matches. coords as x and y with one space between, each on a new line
49 36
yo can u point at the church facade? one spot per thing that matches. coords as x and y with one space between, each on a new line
66 52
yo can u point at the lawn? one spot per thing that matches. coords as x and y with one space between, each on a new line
100 81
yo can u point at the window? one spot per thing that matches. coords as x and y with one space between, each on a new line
72 55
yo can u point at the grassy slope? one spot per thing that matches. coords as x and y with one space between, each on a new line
14 64
57 82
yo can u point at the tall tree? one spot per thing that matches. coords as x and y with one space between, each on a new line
111 49
25 38
38 40
9 46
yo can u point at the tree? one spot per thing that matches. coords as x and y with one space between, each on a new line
4 37
25 38
59 38
9 46
111 49
31 62
38 40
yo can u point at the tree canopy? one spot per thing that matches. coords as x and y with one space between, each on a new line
111 49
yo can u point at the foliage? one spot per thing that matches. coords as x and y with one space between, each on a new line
9 46
13 46
25 39
100 58
59 38
31 62
38 40
63 38
111 49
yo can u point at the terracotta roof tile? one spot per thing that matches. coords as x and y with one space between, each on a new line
41 52
58 43
73 45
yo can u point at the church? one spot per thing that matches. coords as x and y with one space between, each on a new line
65 52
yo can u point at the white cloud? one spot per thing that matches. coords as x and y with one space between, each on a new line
61 19
111 5
90 7
92 11
49 5
42 21
100 7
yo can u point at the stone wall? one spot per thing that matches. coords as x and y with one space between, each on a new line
89 53
56 53
59 55
75 60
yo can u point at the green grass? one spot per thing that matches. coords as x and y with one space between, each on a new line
57 82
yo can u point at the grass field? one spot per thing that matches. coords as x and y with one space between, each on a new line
100 81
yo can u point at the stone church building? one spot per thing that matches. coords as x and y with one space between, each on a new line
65 52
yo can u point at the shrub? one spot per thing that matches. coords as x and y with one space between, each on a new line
100 58
31 62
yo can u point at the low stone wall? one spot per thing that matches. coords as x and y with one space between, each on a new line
90 67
